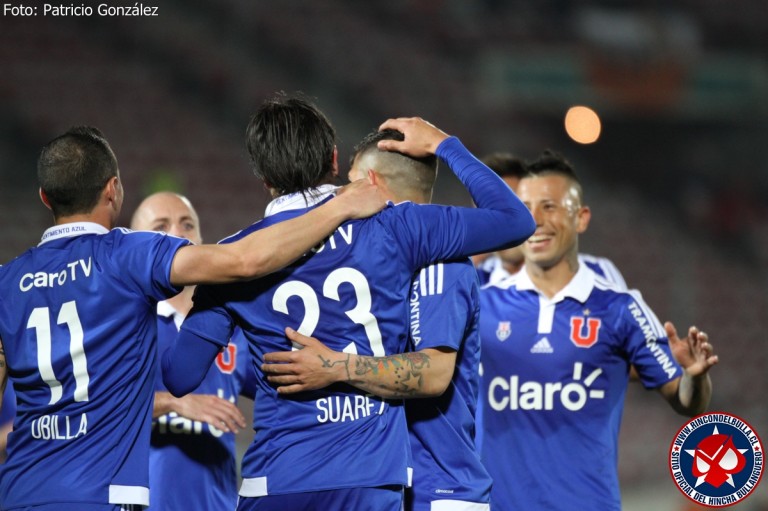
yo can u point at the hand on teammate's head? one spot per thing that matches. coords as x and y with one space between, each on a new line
420 137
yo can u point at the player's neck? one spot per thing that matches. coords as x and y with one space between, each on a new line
182 302
550 280
96 217
512 267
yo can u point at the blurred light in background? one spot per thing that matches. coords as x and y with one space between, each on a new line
582 124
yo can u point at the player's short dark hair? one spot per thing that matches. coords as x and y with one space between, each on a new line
73 169
552 162
290 143
416 174
505 164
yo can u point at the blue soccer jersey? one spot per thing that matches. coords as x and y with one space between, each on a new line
554 381
77 322
444 312
204 454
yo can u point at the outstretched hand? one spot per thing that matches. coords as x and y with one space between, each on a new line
421 137
313 366
694 353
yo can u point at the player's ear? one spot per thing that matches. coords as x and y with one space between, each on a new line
583 217
45 200
335 166
112 189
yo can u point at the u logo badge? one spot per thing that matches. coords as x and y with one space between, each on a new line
226 360
577 331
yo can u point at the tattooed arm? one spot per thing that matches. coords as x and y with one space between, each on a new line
424 373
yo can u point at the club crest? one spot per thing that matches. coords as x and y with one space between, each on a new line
504 330
585 337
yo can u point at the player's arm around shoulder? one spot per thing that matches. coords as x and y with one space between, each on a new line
267 250
690 393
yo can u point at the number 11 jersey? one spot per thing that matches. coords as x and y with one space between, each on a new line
77 322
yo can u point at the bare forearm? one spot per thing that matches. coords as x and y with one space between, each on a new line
405 375
163 404
694 394
261 252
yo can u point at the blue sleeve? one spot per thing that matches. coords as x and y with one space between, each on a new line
647 344
205 331
187 362
500 210
446 295
144 260
428 233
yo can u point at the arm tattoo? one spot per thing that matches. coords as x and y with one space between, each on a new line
328 363
406 369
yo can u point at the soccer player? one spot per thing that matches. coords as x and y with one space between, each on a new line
441 365
193 435
78 327
336 448
557 344
493 268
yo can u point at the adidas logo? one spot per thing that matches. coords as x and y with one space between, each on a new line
542 346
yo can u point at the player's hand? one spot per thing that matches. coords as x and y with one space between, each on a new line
219 413
421 137
694 353
360 199
313 366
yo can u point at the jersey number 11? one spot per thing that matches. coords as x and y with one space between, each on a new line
40 320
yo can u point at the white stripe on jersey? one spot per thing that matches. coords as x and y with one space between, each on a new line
458 505
431 281
649 315
122 495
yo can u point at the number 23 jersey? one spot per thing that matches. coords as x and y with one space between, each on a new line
352 294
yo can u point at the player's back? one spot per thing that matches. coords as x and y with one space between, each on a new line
78 328
351 293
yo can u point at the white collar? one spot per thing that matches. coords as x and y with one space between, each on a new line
496 270
300 200
72 229
166 310
579 288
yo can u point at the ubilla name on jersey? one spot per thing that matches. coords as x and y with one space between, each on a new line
555 374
